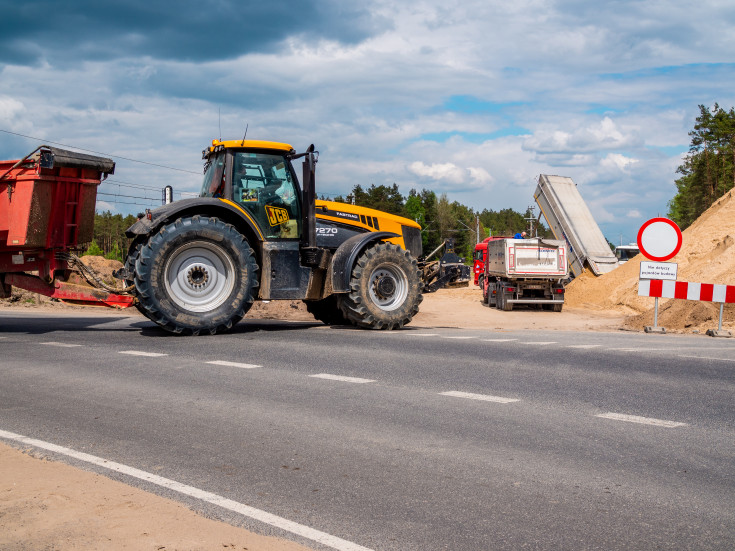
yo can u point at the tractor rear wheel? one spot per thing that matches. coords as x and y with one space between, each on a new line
196 275
327 310
385 288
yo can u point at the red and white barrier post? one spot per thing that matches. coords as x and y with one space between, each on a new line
659 239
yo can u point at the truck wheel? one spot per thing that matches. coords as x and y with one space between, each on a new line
327 310
385 288
196 275
502 301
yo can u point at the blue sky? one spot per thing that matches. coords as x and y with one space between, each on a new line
472 99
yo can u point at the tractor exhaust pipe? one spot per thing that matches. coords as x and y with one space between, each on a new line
309 251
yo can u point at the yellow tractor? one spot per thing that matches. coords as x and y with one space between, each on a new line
254 233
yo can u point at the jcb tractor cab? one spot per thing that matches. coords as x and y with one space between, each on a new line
198 264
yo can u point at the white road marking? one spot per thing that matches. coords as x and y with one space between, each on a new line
539 343
62 344
584 346
499 340
708 358
240 508
234 364
140 353
342 378
641 420
460 338
484 397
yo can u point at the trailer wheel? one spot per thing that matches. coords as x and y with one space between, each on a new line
327 310
196 275
385 288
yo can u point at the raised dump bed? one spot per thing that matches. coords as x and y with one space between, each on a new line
47 203
571 220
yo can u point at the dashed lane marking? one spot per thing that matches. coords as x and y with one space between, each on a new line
240 508
483 397
499 340
234 364
641 420
342 378
460 338
538 343
708 358
584 346
61 344
141 353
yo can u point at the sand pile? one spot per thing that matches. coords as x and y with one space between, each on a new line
707 255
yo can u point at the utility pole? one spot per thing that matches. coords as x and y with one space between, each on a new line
531 219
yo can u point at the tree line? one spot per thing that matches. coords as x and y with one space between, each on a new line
708 170
109 235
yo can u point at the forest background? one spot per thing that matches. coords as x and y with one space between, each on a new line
707 173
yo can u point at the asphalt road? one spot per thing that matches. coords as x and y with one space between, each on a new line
437 439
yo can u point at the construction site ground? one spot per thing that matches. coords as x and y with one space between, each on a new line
49 505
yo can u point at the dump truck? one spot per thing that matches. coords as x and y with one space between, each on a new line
196 266
570 220
525 271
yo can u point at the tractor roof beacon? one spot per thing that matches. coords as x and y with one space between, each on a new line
255 233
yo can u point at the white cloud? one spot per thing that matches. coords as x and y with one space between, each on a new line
600 135
616 160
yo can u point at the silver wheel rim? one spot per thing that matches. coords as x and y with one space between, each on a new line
388 287
199 276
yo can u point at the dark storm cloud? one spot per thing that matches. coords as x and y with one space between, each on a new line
69 32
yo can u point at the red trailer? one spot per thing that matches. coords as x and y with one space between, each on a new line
47 203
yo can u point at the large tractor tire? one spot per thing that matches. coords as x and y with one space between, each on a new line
130 261
327 310
385 289
196 275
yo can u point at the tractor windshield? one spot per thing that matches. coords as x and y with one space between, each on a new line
213 185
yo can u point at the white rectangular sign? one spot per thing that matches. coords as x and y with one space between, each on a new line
659 270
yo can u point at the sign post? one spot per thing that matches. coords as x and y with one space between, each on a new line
659 240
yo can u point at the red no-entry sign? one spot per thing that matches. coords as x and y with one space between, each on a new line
659 239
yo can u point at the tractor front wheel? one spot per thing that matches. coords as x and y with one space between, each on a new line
196 275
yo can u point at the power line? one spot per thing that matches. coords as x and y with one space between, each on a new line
127 196
99 152
128 184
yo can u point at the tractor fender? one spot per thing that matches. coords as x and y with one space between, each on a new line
345 256
223 209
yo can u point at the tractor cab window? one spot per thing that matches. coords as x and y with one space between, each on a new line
213 185
262 183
